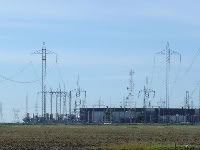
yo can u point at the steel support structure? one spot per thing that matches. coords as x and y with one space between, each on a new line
43 52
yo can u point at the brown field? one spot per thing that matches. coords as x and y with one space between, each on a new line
99 136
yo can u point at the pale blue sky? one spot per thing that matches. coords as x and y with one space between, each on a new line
101 40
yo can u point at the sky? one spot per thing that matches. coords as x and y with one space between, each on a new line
101 41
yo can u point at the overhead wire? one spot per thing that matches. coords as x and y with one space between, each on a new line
23 82
15 74
175 79
157 74
186 72
192 63
5 78
195 88
32 66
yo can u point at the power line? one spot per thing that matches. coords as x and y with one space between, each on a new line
10 78
191 65
22 82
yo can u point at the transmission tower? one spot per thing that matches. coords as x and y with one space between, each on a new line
168 53
130 88
146 92
44 53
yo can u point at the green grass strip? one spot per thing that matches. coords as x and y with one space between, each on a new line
145 147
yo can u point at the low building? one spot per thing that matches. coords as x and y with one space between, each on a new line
139 115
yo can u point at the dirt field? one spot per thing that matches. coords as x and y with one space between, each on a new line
98 137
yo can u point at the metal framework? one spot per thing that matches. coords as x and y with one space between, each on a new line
146 92
130 88
187 100
168 53
79 102
60 100
43 52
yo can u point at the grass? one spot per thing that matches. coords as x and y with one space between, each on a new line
135 136
146 147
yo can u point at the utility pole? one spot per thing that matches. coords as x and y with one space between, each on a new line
43 52
168 53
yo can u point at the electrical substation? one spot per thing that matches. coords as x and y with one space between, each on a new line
69 106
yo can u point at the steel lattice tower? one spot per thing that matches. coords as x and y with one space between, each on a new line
130 88
168 52
43 52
